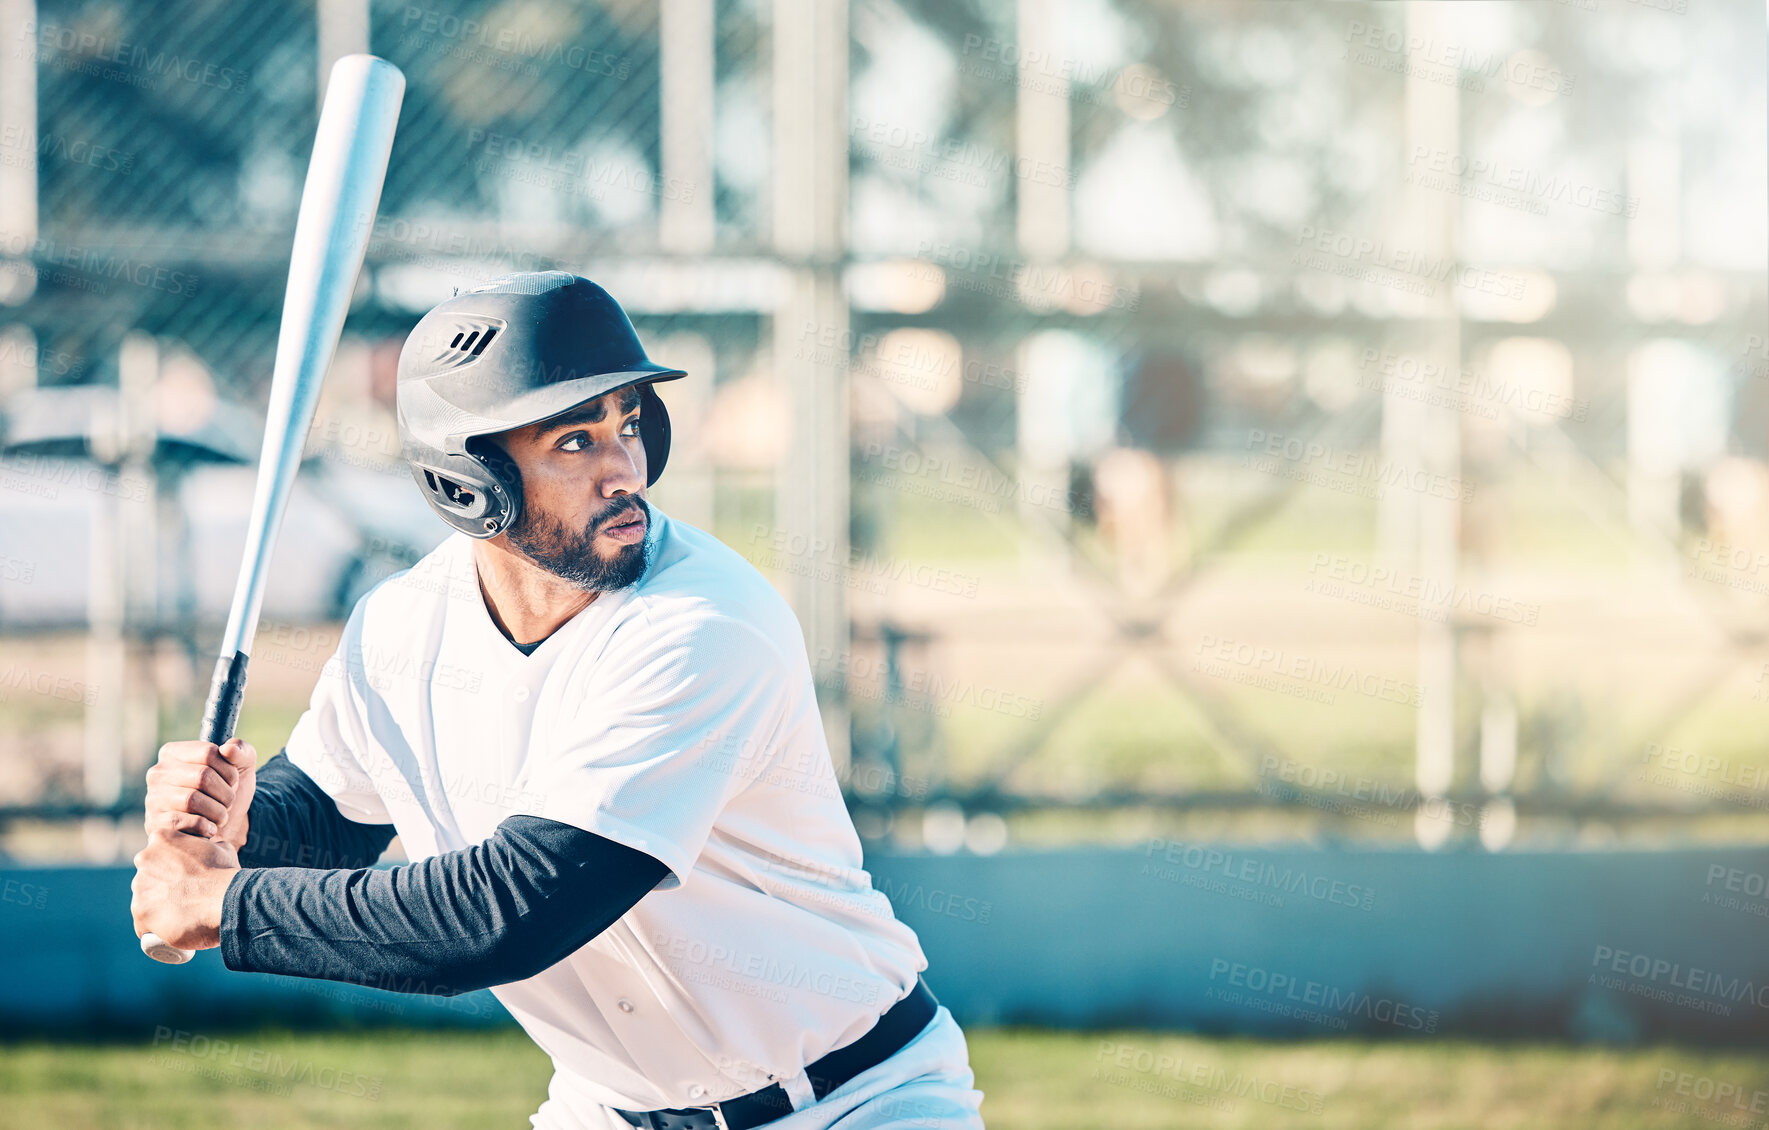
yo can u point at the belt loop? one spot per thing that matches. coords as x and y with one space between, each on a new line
799 1090
719 1118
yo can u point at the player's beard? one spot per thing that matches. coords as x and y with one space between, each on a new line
571 555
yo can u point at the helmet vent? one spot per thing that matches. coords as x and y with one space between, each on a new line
451 491
469 341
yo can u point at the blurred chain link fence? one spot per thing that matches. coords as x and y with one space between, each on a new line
1248 420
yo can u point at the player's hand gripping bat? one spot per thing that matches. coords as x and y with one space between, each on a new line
338 206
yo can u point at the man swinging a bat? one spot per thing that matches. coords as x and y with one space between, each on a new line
594 731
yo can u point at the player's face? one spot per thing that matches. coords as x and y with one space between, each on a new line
584 516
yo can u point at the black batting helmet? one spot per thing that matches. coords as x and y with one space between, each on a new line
505 354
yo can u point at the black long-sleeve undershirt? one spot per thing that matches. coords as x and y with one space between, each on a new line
503 910
293 823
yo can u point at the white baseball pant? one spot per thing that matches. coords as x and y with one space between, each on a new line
928 1085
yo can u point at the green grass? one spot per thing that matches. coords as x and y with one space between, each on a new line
1033 1080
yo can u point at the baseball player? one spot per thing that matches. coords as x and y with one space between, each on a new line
593 730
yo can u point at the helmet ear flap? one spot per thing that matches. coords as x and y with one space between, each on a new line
456 496
505 481
466 503
654 430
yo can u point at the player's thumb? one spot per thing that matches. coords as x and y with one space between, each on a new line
244 758
240 754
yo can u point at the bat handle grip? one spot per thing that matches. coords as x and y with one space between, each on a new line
219 717
225 691
161 950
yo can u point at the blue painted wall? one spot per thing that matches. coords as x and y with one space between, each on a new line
1611 946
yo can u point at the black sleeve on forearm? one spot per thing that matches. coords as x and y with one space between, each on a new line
293 823
500 911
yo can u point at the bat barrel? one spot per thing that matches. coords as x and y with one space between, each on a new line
337 216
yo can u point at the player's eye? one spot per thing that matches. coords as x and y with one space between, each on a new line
577 441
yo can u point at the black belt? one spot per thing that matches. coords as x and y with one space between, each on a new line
897 1027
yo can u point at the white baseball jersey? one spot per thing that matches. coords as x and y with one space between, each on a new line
676 716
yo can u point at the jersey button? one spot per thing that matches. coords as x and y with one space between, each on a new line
625 1005
697 1092
521 694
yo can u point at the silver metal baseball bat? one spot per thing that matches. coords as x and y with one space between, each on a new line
338 205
